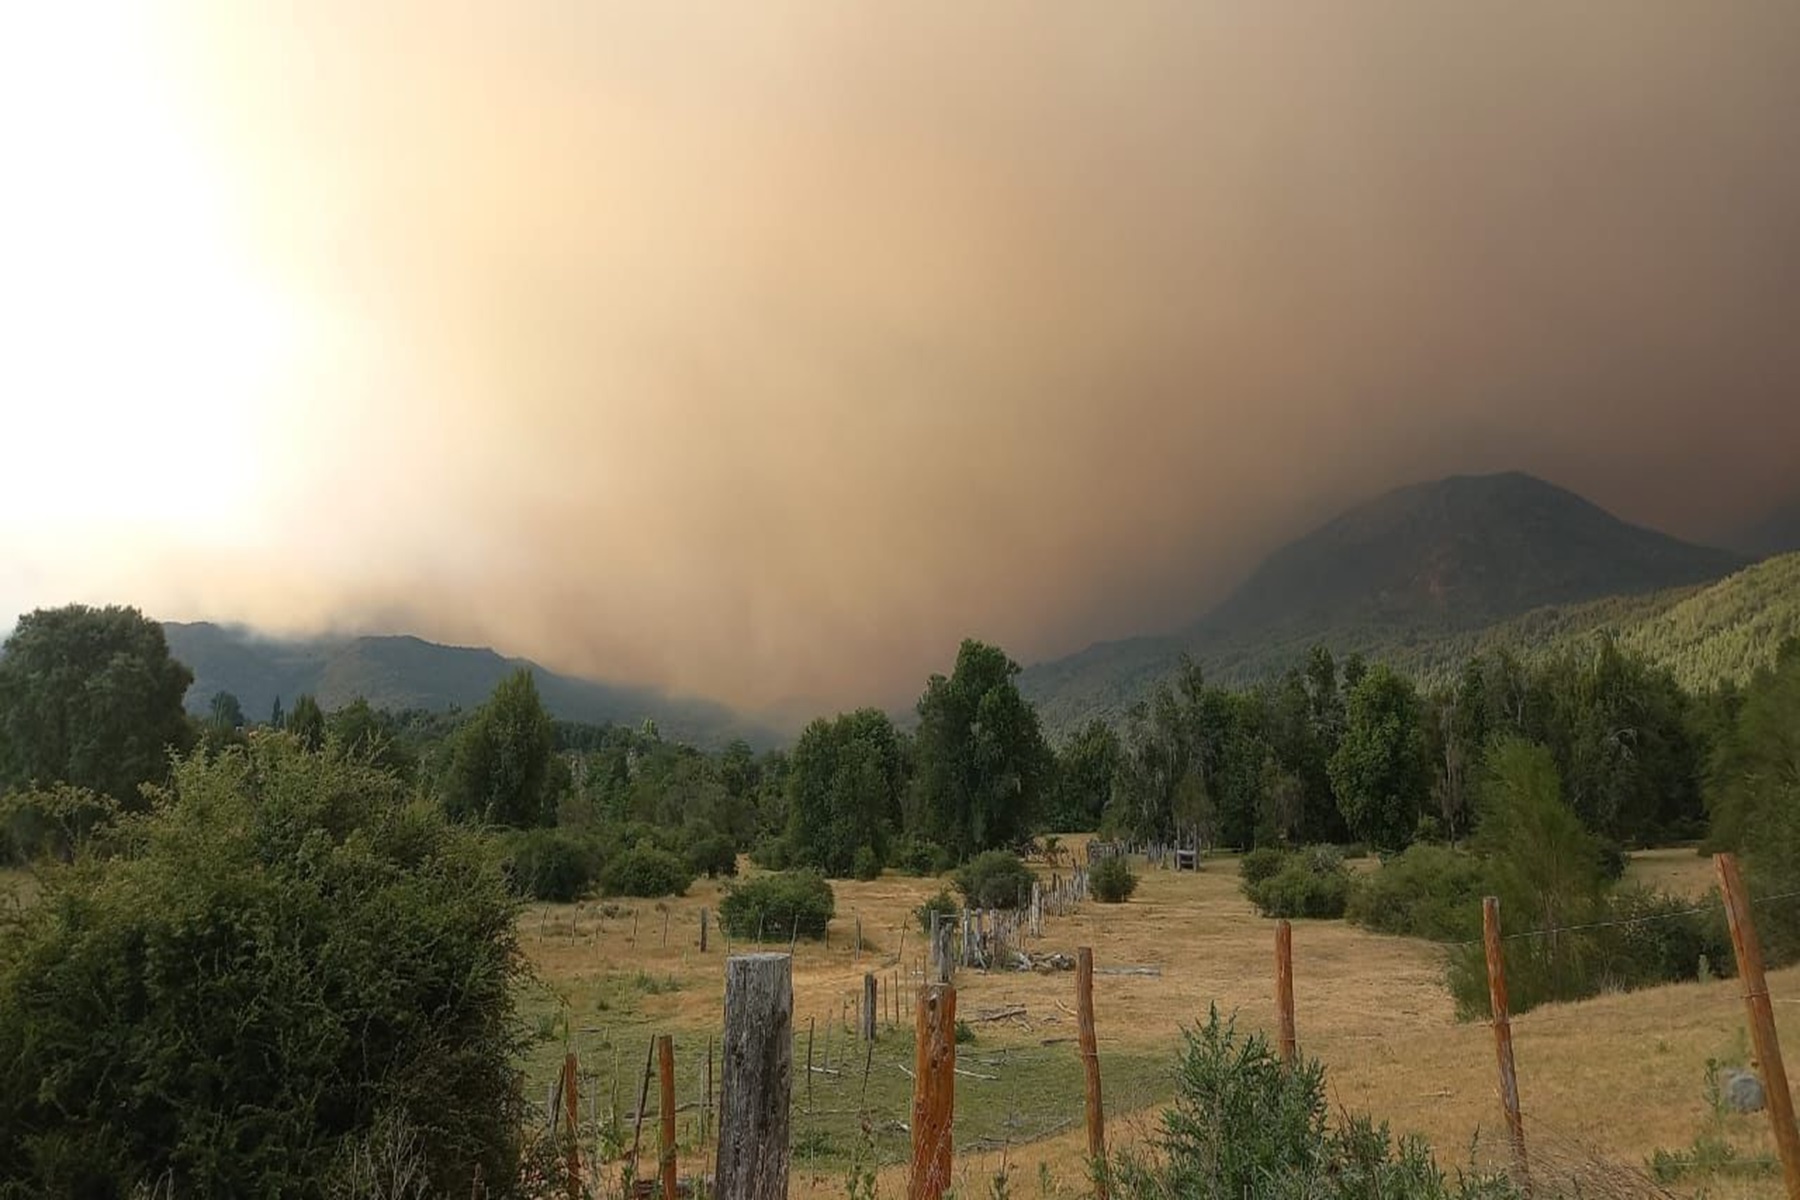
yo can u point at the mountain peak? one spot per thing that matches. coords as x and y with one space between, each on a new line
1463 550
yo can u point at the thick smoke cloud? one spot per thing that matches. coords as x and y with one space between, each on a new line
767 350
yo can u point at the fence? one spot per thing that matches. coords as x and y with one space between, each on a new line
874 1083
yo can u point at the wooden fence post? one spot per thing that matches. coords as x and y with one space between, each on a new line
637 1124
703 923
665 1069
706 1096
572 1117
1503 1049
934 1092
756 1078
1284 989
868 1007
1762 1019
1090 1062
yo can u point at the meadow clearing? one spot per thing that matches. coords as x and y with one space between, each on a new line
1615 1078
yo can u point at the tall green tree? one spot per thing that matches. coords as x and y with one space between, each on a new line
845 779
1380 772
277 718
500 769
1755 794
982 767
307 723
1084 776
90 697
359 731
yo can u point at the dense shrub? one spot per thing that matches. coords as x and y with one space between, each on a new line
286 963
1260 864
645 871
943 904
1428 891
1311 883
920 856
996 879
772 854
51 822
551 865
777 907
1243 1124
866 864
712 855
1112 881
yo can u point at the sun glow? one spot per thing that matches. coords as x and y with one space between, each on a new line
138 348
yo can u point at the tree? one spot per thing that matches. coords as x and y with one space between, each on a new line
844 783
1755 796
358 731
500 767
224 723
277 718
1380 772
307 723
287 969
1084 775
90 697
983 768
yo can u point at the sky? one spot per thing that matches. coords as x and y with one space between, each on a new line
766 351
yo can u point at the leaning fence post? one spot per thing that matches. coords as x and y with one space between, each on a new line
1762 1019
1090 1063
756 1078
1284 989
665 1070
1503 1050
637 1124
867 1022
934 1091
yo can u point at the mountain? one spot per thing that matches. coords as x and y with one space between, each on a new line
407 672
1776 532
1409 577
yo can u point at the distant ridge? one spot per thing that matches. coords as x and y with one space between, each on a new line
1418 567
399 672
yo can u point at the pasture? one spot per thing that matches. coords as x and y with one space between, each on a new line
1617 1077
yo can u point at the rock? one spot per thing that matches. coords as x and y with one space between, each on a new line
1740 1091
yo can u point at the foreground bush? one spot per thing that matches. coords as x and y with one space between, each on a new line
777 907
1245 1125
1111 880
286 965
551 865
1311 883
646 871
995 880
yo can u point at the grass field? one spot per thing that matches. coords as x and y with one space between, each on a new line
1619 1077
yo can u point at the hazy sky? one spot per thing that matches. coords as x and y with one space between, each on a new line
766 350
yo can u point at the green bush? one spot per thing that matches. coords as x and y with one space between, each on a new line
1244 1124
1311 883
915 855
712 855
772 854
777 907
1260 864
551 865
996 879
51 822
645 871
286 963
944 904
1112 881
1428 891
866 864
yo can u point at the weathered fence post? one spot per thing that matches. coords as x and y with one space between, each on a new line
1284 989
637 1124
1090 1063
572 1118
703 922
934 1092
1503 1050
856 951
868 1007
706 1096
756 1078
665 937
809 1062
1762 1019
665 1070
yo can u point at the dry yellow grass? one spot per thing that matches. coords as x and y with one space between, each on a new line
1621 1074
